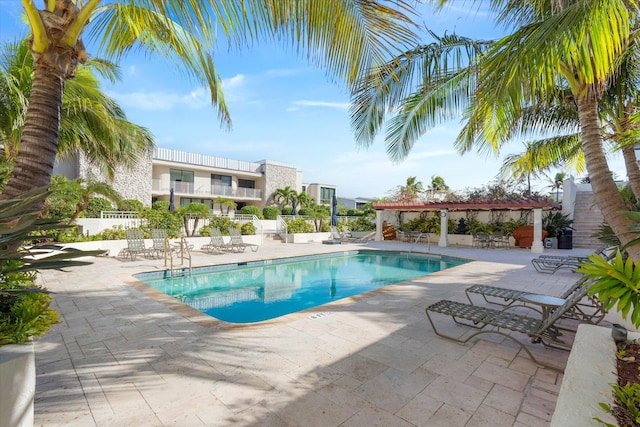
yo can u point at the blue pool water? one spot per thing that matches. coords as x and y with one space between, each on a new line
261 290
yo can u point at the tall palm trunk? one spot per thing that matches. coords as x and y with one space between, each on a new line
629 153
633 172
604 188
39 141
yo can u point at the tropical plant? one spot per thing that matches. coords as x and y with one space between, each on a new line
225 205
77 193
299 225
616 284
251 210
347 37
304 200
555 223
24 306
96 206
270 212
284 196
248 229
195 211
90 122
555 45
156 217
410 192
131 205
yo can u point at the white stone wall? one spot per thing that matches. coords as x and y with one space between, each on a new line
134 183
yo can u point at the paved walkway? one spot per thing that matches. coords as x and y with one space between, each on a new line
122 358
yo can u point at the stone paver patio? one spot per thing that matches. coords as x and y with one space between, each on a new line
120 357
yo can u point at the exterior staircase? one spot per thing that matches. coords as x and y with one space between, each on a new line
586 219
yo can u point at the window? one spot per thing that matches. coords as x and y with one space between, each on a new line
246 183
181 176
326 195
223 180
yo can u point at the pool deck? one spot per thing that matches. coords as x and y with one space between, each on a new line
123 356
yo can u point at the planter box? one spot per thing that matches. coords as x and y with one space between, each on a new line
18 385
590 371
307 237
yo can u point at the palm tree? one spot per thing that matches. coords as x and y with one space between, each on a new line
437 185
347 37
304 200
284 196
557 42
79 193
411 191
90 122
578 45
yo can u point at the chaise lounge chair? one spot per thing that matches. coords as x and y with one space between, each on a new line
539 330
237 244
135 245
551 263
588 311
217 243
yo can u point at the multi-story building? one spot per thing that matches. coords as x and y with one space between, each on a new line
200 178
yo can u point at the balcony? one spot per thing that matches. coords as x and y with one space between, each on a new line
215 190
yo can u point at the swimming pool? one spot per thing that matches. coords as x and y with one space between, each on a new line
261 290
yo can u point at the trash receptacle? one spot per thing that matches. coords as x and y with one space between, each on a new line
565 240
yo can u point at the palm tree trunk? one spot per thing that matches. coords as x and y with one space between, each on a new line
39 141
604 188
633 172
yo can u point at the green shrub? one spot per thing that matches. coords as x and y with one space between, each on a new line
161 218
221 222
306 212
160 205
24 315
131 205
251 210
97 205
248 229
287 210
299 225
270 212
24 307
115 233
362 224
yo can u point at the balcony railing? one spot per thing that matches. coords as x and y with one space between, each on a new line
213 190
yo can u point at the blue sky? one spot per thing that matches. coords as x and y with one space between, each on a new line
285 109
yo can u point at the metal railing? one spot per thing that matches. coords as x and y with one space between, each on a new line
281 228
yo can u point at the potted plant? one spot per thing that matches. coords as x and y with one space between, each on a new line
24 306
555 224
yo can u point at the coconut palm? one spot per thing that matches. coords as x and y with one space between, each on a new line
556 43
90 123
346 37
577 45
284 196
410 192
76 195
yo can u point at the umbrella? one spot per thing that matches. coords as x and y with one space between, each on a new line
293 206
172 206
334 211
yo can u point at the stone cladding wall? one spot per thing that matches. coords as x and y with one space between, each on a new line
132 183
277 176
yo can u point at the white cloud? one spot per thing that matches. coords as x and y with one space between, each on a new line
162 101
338 105
234 82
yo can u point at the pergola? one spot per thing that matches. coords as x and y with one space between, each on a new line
537 206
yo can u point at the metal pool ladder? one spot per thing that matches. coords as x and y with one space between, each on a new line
418 239
184 252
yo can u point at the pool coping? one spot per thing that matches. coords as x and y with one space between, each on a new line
196 316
